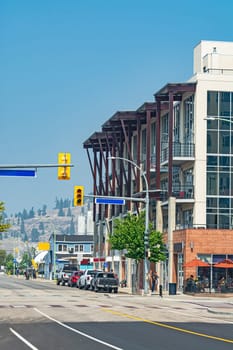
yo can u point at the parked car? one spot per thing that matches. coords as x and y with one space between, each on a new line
74 277
64 274
85 280
106 281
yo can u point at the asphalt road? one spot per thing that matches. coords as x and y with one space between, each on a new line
41 315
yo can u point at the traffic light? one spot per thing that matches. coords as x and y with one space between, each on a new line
63 172
78 196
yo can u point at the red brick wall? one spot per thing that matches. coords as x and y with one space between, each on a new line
202 241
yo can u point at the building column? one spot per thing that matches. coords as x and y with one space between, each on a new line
171 228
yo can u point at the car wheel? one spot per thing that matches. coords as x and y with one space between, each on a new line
58 283
116 290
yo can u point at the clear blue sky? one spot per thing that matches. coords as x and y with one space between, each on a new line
68 66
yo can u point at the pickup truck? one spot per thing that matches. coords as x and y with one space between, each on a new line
64 274
105 281
85 280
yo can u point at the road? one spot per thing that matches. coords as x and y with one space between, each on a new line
41 315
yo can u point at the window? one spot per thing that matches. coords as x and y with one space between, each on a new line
81 247
212 105
188 119
219 160
224 104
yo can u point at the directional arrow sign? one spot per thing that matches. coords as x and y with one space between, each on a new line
114 201
17 172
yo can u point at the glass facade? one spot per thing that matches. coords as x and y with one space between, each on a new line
219 187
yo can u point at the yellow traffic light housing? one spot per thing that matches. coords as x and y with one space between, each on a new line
78 196
63 172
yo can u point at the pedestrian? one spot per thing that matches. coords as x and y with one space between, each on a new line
190 284
154 281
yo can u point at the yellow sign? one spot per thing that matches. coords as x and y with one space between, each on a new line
43 246
63 172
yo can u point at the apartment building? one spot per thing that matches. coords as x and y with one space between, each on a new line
183 142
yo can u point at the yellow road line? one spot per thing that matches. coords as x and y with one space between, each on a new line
136 318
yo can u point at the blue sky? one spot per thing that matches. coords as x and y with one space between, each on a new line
68 66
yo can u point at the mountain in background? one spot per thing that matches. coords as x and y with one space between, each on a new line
30 227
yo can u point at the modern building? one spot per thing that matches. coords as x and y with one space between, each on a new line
183 143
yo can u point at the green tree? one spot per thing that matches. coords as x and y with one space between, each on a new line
9 263
26 261
3 226
69 212
128 235
35 235
2 257
72 227
61 212
44 210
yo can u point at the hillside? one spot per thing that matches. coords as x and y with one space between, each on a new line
28 232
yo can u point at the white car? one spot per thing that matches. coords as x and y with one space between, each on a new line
85 280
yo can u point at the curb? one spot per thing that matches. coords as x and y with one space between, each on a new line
218 312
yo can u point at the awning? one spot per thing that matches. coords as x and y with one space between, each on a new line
40 257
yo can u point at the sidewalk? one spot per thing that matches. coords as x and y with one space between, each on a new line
223 303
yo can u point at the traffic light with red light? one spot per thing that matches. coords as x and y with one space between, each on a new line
63 172
78 196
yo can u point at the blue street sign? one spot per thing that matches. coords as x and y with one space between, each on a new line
17 172
114 201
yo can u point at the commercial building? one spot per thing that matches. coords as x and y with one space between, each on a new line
188 162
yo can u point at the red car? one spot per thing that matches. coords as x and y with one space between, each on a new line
73 279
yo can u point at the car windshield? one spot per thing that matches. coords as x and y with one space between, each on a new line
68 268
106 275
78 273
91 272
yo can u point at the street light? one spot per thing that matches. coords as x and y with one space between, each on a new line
219 118
146 232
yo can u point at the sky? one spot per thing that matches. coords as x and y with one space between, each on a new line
67 66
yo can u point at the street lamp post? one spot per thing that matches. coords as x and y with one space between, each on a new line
219 118
54 253
146 232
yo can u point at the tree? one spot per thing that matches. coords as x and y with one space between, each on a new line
69 212
128 235
61 212
2 257
31 213
3 226
44 210
35 235
9 263
72 227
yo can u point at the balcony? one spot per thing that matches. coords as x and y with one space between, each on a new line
180 152
180 193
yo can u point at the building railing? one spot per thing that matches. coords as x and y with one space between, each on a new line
181 150
181 192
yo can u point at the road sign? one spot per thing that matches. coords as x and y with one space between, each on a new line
17 172
114 201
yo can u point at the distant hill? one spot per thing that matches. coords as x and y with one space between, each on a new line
26 230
